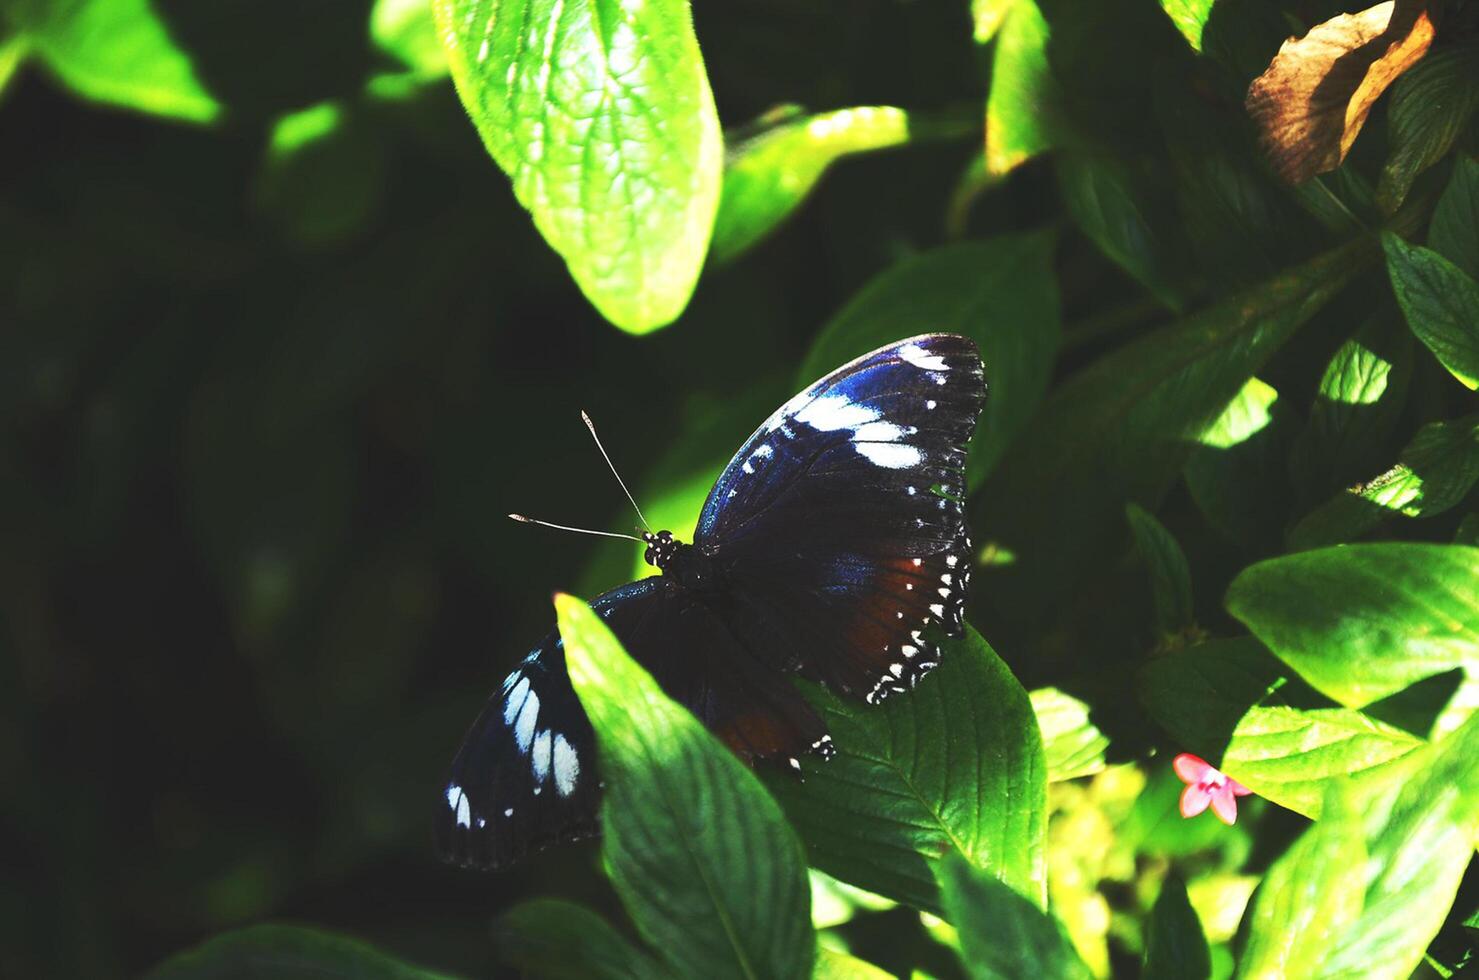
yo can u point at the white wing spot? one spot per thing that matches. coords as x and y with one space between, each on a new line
524 724
509 812
567 766
890 455
918 562
952 560
922 359
457 800
946 578
937 609
540 755
515 699
930 404
832 412
878 432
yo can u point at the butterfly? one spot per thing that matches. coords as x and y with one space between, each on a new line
828 546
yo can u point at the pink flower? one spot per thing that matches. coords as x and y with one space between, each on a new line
1206 785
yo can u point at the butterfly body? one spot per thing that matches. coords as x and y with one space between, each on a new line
828 549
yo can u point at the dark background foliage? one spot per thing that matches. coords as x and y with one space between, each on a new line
259 438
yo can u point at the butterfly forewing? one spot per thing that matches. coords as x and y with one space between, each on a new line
840 521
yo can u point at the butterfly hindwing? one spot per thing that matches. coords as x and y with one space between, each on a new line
526 775
840 521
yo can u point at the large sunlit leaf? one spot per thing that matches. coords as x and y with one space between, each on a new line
1431 106
114 51
1001 292
1454 233
768 175
1237 706
286 953
601 114
1356 407
698 851
1421 823
1170 577
955 765
1021 110
560 940
1441 303
1310 896
1121 429
1363 621
1176 946
1314 98
1435 472
1072 744
1002 935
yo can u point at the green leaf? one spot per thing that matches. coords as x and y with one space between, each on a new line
1454 232
957 764
601 114
565 941
768 175
1121 430
1021 102
1435 472
407 30
1363 621
1421 824
1190 17
1119 213
1176 948
987 17
1236 471
1237 706
1310 896
1360 399
13 54
285 953
698 851
1430 107
1001 292
1002 935
323 177
1441 304
835 902
1072 745
114 51
832 965
1170 578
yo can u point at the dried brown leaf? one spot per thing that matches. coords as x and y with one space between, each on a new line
1311 102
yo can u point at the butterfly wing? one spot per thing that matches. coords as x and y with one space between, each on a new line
525 776
840 522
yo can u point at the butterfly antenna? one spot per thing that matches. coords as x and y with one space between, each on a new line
578 530
592 426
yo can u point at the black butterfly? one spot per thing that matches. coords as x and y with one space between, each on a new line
834 537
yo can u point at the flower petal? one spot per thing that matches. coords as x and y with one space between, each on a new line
1225 805
1194 800
1190 768
1238 788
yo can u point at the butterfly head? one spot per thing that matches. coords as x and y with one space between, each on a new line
661 547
